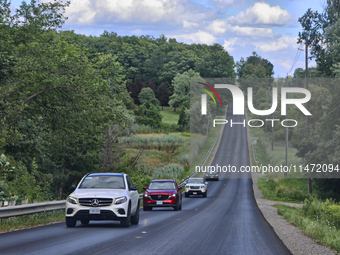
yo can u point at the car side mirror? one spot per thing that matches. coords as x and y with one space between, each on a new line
133 188
144 188
72 187
206 183
179 187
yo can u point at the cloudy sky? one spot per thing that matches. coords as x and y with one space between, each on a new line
268 27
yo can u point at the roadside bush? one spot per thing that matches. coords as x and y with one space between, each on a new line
184 159
196 145
284 189
140 180
171 171
168 143
327 213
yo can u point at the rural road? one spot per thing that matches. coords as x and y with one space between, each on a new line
228 221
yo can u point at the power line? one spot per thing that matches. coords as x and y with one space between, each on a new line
294 61
318 119
297 55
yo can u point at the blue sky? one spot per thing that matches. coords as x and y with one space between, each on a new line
242 26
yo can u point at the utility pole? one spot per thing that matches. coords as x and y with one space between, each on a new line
307 120
285 174
273 135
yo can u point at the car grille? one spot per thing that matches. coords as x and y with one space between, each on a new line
159 197
194 187
104 215
102 201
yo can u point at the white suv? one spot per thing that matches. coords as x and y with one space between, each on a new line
103 196
196 186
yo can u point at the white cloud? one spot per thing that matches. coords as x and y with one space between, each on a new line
252 31
199 37
228 3
228 44
222 26
263 14
188 24
283 43
286 65
83 7
179 12
217 27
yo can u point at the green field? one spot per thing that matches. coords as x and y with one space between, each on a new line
169 115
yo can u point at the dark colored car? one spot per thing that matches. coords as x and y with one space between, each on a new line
211 175
162 193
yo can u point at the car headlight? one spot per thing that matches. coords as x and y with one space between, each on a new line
173 195
146 195
71 200
120 200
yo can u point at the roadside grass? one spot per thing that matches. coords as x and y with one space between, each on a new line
320 228
166 155
169 115
293 190
32 220
273 185
276 157
209 140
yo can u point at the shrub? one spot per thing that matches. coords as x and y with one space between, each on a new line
168 143
171 171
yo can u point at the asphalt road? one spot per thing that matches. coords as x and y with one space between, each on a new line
227 221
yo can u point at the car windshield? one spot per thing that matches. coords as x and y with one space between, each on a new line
103 182
162 185
195 181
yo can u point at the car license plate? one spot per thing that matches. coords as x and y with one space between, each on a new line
195 193
94 211
159 202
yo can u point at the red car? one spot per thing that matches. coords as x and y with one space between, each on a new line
162 193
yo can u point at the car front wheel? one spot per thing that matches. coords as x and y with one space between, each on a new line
135 218
126 221
70 223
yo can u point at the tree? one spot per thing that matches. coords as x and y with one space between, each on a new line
314 32
147 95
183 120
254 67
163 95
181 84
215 63
148 114
135 89
152 86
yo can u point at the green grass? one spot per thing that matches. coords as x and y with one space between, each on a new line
284 189
277 156
204 151
320 229
32 220
275 186
169 115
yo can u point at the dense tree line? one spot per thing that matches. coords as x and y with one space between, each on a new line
158 59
